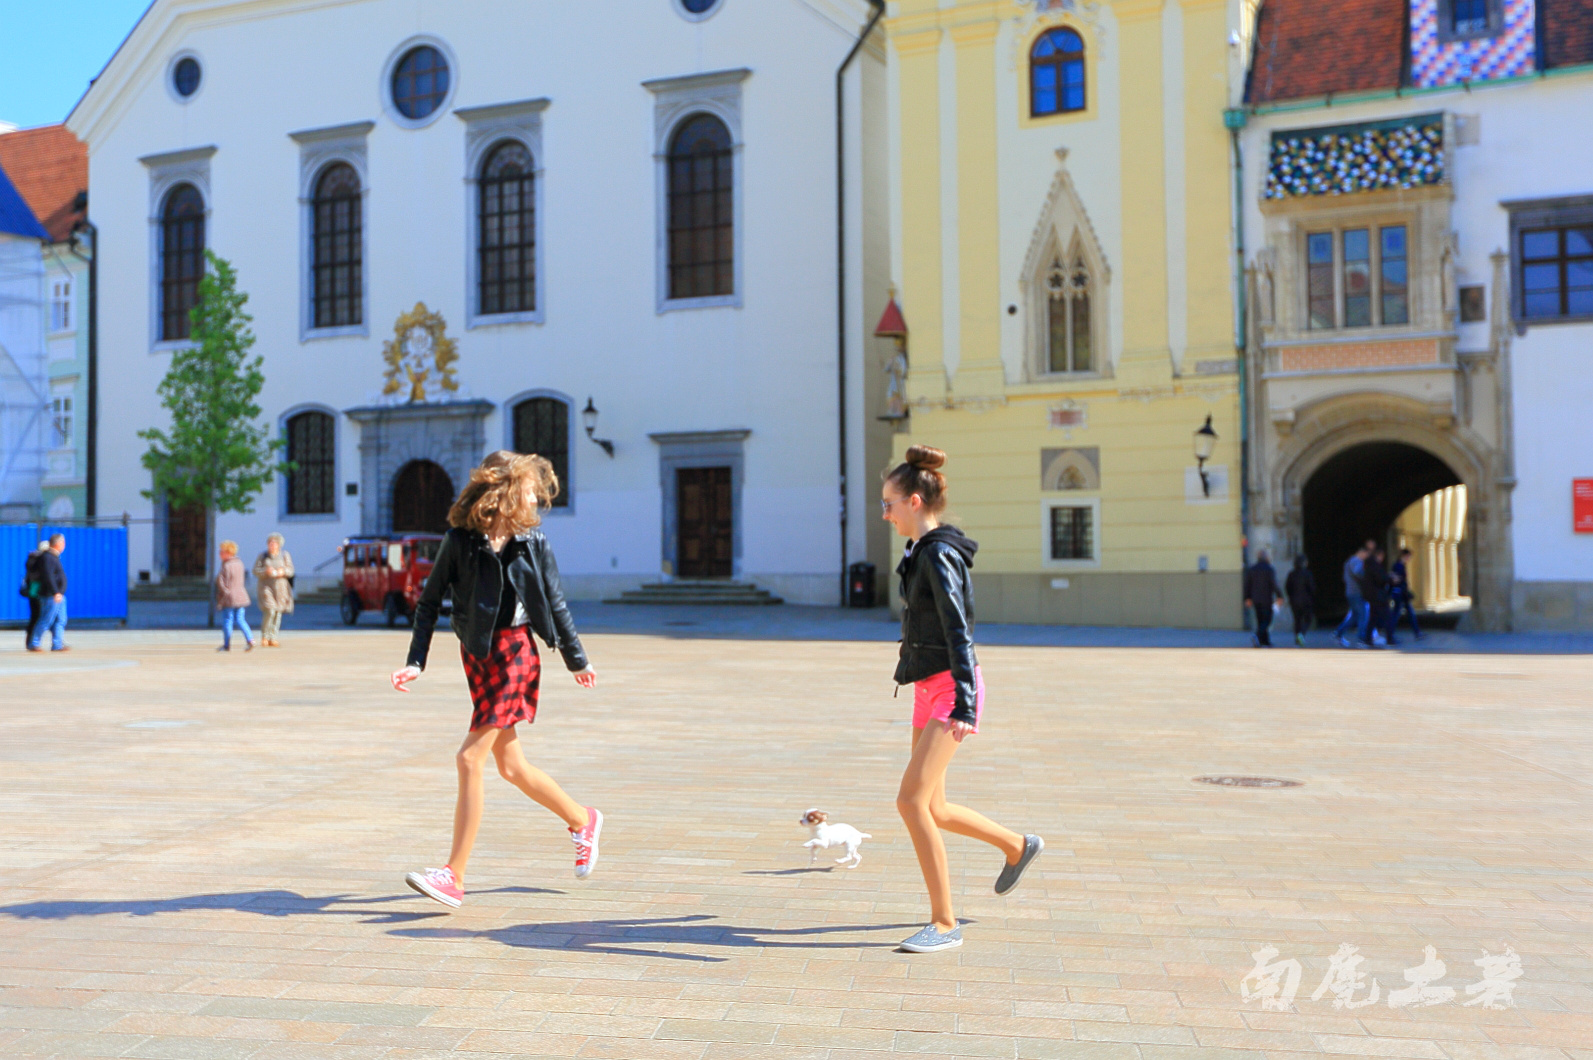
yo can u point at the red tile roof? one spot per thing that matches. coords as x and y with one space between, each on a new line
49 166
1567 32
1307 48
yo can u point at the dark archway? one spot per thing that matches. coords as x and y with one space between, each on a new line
1355 495
422 495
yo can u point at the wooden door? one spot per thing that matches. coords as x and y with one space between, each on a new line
422 495
705 522
185 542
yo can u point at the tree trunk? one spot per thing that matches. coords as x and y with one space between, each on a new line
210 563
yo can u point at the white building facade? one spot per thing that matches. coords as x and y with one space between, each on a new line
24 413
625 208
1420 256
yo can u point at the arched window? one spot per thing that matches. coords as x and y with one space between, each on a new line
1056 73
506 233
1068 347
182 259
312 452
542 426
701 210
336 282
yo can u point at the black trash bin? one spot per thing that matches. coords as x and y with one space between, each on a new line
860 585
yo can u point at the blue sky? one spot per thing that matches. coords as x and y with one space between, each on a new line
49 49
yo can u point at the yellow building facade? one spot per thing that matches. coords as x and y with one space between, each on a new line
1064 262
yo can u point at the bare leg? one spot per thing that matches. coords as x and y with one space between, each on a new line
960 820
933 747
513 767
471 759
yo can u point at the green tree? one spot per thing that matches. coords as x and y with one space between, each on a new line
215 453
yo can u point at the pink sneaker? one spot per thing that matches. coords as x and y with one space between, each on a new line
585 840
439 885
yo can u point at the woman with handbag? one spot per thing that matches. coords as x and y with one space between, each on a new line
273 575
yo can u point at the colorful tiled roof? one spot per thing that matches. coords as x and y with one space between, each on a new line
1306 48
49 166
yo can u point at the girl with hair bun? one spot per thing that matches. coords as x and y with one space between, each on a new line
500 571
937 659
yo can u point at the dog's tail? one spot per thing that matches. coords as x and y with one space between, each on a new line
867 836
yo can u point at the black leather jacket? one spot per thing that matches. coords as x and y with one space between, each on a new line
938 614
467 566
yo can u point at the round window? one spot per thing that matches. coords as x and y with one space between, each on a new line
699 7
185 76
420 82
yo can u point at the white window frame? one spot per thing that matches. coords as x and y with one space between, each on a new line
486 128
166 171
170 77
385 90
63 393
693 16
61 314
674 100
319 148
1070 501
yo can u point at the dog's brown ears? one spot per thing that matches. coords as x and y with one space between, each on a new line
816 816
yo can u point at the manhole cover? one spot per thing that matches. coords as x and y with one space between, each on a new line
1248 782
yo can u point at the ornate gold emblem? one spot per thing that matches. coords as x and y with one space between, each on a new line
421 354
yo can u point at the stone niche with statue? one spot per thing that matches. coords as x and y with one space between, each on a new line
419 442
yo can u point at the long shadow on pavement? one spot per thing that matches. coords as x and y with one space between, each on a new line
631 938
264 903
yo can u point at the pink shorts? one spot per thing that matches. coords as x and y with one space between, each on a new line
935 697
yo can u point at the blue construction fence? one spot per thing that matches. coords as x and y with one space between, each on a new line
95 561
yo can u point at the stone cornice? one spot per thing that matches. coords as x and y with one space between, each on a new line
1136 10
346 131
494 111
177 158
691 82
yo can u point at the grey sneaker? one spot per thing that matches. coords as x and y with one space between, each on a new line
930 940
1011 874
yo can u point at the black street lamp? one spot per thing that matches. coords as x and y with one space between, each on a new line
1205 445
589 418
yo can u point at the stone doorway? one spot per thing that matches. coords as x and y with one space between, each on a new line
422 495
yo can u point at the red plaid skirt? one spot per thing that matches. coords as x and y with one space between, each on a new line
504 685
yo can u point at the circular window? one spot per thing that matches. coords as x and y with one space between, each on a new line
697 9
185 76
420 82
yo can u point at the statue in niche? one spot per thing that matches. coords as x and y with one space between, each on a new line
420 355
896 385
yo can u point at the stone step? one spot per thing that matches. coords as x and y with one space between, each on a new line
172 589
699 593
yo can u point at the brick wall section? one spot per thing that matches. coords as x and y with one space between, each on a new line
1393 353
1307 48
1567 32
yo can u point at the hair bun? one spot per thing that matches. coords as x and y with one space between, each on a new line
925 458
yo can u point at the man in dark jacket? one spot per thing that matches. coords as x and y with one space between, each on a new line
1399 598
1261 591
52 591
1374 587
1300 587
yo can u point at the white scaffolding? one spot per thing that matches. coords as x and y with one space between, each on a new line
24 383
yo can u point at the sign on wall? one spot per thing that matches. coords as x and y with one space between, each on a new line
1582 505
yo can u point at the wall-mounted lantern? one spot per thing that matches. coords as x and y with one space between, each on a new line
1205 445
589 420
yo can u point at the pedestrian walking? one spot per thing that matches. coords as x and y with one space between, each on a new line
501 573
1399 597
232 598
937 659
1300 588
273 579
1261 594
1354 569
52 594
31 591
1374 587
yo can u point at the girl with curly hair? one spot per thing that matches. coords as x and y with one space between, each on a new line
500 571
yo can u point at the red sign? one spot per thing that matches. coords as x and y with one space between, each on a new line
1582 505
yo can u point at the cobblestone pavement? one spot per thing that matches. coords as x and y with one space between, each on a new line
204 854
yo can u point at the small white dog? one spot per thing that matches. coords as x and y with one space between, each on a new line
826 835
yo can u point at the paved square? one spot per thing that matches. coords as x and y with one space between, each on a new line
204 854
